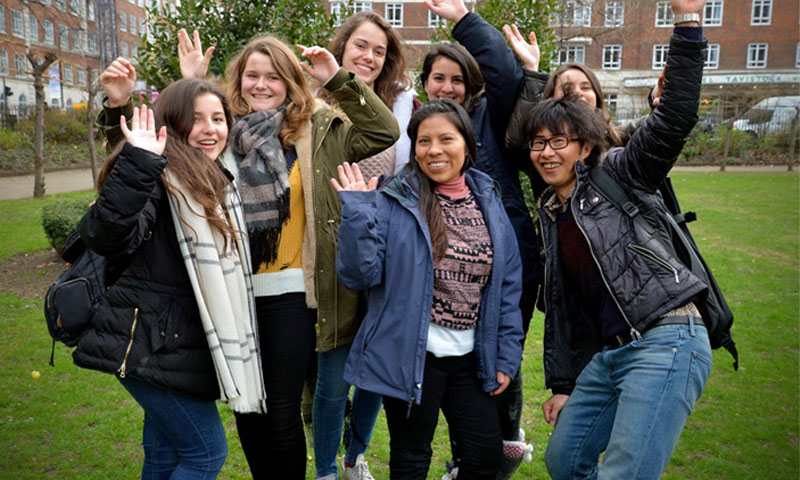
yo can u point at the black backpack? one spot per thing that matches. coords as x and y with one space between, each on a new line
71 301
662 215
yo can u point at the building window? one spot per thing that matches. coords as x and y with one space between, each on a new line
49 36
123 49
572 54
394 14
140 3
577 13
63 37
33 28
90 11
434 20
2 19
46 3
20 64
123 22
612 57
91 39
611 102
132 24
134 52
761 14
757 55
16 24
142 27
81 76
712 13
61 5
615 14
797 57
660 56
76 39
3 62
664 15
74 7
712 56
67 73
362 7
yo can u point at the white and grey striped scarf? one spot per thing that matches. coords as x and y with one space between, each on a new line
223 288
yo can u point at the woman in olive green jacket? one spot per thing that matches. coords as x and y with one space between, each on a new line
283 149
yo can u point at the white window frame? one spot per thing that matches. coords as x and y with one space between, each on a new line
394 14
614 14
3 62
49 32
123 50
757 16
91 42
46 3
712 13
612 57
576 13
2 19
664 15
77 44
61 5
754 51
20 64
123 22
63 37
434 21
612 101
134 52
90 10
67 74
132 24
81 74
142 27
797 56
75 8
660 52
571 54
362 7
33 28
712 56
17 24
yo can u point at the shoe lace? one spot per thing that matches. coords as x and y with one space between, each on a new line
360 471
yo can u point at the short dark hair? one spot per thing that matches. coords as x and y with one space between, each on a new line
473 79
569 115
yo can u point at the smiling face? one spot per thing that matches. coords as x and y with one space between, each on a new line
209 128
557 167
440 149
365 52
578 83
262 87
446 80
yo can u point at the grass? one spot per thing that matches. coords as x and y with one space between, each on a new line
74 423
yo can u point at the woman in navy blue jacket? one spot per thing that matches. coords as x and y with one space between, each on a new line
435 252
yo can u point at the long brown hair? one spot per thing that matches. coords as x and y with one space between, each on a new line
301 100
200 177
473 79
428 203
600 101
393 78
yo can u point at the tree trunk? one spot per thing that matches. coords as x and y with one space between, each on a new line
793 138
90 114
39 68
728 135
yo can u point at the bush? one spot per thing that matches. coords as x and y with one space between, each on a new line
61 219
10 139
60 127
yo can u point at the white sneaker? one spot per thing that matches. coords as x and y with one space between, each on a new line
359 471
330 476
451 475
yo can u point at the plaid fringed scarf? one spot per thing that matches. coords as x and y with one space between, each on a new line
263 180
223 288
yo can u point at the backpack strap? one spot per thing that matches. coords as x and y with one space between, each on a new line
610 189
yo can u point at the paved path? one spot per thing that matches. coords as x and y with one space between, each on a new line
81 179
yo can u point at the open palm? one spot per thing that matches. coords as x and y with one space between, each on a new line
142 133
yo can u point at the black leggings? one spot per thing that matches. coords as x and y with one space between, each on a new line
274 443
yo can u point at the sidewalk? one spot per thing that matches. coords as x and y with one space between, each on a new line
54 182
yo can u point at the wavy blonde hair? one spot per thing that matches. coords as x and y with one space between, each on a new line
301 100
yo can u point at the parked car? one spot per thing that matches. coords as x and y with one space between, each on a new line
770 116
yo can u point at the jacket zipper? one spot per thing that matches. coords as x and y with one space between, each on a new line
543 288
634 333
652 256
124 367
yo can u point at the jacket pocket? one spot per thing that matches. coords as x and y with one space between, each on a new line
651 255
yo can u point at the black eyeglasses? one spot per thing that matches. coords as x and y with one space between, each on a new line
556 142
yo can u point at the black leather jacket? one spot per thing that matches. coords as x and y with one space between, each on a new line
641 275
151 327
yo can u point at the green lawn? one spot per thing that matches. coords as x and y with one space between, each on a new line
74 423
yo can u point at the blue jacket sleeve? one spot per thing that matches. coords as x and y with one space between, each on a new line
653 149
509 330
500 69
125 210
362 240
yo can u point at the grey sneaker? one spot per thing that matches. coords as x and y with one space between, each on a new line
359 471
330 476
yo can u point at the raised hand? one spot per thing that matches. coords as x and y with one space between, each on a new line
452 10
194 64
118 80
142 133
323 64
352 180
687 6
527 52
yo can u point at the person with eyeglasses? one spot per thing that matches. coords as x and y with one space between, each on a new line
626 353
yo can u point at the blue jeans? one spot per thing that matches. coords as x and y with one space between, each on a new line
632 403
182 438
330 398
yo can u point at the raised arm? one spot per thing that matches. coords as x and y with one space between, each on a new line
193 62
118 80
362 235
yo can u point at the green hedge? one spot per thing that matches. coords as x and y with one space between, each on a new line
61 219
